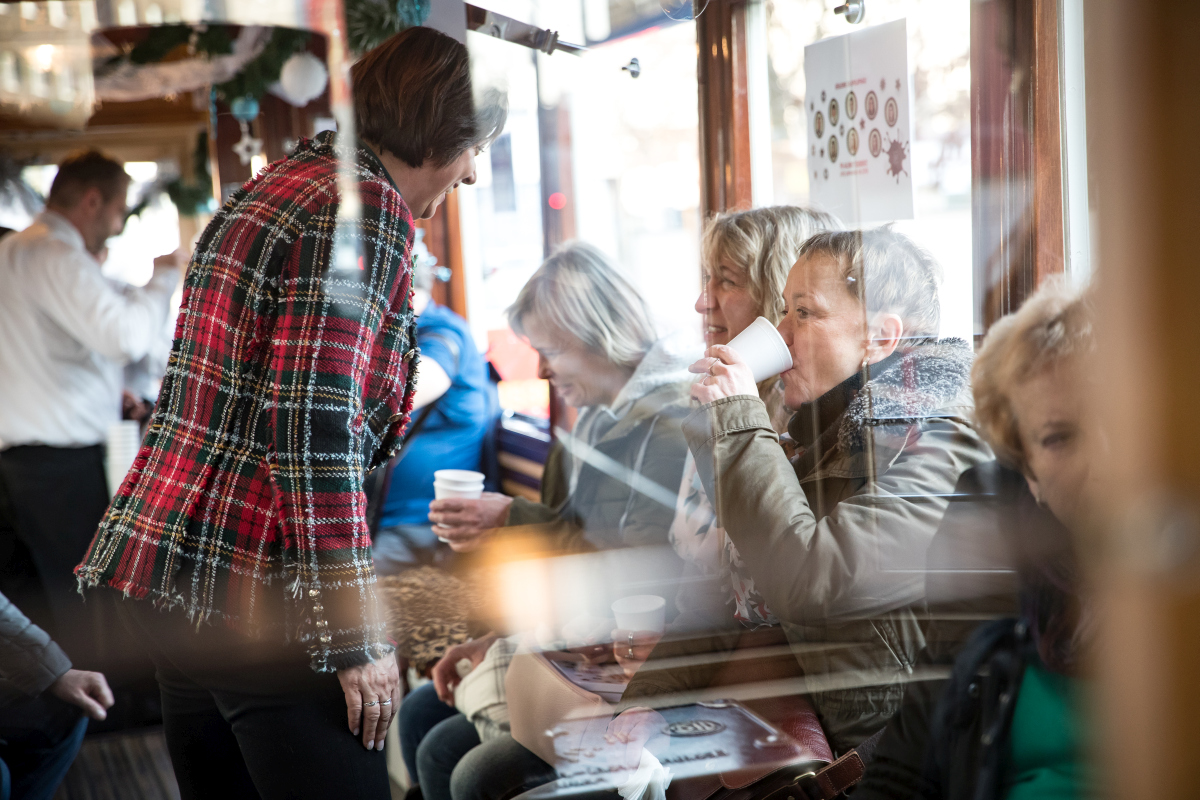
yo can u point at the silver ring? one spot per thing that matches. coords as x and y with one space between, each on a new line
387 702
371 703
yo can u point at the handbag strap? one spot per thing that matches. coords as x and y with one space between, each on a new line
385 484
825 784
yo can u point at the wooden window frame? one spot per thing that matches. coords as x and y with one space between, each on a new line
725 182
1016 147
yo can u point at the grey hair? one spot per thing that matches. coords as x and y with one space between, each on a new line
888 272
763 243
578 291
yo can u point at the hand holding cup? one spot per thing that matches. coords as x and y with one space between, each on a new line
755 354
464 522
641 620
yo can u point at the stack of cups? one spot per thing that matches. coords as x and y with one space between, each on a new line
121 448
456 483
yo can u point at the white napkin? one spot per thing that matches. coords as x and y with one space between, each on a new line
649 782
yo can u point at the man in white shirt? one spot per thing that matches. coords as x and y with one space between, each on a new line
67 332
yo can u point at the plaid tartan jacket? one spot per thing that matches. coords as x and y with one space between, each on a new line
290 376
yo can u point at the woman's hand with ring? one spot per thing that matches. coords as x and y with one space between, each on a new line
727 375
372 694
632 648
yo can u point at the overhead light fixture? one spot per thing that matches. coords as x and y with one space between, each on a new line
46 61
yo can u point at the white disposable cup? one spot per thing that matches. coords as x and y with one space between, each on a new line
443 492
763 349
458 477
641 612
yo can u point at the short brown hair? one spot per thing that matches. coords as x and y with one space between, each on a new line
412 98
1053 325
84 170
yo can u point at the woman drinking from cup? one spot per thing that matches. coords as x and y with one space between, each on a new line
835 538
745 260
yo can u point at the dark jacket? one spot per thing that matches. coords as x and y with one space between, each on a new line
29 660
950 739
971 567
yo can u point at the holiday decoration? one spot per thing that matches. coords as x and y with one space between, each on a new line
213 59
245 111
302 79
370 22
241 67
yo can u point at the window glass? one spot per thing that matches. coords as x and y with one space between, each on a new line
590 152
501 213
940 67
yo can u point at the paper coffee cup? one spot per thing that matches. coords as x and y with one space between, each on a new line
763 349
641 612
443 492
458 477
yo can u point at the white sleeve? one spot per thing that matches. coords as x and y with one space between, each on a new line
121 325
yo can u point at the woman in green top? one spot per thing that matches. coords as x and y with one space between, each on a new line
1006 725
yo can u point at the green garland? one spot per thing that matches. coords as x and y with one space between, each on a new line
190 197
214 40
262 71
195 196
370 22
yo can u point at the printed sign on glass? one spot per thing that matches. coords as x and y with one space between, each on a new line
872 184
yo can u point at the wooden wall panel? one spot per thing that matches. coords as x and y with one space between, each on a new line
1143 81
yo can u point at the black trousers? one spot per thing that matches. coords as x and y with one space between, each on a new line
250 719
58 496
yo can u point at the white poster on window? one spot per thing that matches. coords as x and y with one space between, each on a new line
859 128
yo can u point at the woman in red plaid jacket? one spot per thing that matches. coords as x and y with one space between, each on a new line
291 375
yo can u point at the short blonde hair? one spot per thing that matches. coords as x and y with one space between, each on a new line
763 243
581 293
1053 325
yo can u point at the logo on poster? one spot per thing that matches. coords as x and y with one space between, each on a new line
891 112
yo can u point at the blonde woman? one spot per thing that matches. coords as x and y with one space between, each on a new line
745 256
